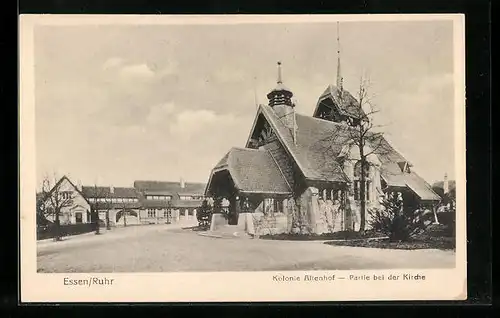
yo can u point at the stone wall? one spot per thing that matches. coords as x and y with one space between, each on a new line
259 224
218 220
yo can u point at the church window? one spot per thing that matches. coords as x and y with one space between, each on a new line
278 206
367 190
357 181
356 190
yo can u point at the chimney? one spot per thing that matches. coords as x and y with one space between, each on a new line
79 185
445 184
111 189
182 183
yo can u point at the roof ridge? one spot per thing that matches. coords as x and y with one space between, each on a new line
166 181
322 120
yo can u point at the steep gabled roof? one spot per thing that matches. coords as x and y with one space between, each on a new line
347 105
420 187
253 171
312 151
118 192
43 197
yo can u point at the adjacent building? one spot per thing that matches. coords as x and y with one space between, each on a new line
65 199
159 198
147 202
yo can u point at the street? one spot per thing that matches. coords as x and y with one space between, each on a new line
159 248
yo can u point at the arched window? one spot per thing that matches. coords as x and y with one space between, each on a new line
357 170
357 180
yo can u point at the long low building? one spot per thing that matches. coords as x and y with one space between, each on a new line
147 202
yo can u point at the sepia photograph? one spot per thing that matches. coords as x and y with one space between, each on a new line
322 150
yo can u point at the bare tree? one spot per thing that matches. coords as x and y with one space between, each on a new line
168 211
124 211
54 200
101 201
360 132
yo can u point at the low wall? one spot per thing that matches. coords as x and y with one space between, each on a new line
218 220
258 224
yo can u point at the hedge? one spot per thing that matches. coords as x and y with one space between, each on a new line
46 232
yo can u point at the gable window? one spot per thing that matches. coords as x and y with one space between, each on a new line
65 195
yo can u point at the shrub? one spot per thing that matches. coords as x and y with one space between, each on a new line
204 214
397 223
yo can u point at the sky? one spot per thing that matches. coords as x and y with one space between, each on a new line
118 103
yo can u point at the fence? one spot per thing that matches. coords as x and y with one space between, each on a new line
49 231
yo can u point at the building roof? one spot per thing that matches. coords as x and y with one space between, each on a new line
312 150
318 142
169 187
254 171
105 192
115 205
420 187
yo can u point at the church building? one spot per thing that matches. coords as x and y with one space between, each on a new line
302 174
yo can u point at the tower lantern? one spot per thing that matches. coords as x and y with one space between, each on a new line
280 95
280 99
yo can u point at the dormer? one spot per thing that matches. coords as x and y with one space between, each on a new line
404 166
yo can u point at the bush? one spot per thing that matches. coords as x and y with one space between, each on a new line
204 215
447 219
396 222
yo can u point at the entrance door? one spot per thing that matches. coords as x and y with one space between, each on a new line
78 217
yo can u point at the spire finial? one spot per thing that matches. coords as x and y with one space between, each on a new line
339 73
255 92
279 73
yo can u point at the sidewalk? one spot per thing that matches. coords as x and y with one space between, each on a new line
116 233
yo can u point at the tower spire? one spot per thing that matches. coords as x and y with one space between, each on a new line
256 101
339 73
280 81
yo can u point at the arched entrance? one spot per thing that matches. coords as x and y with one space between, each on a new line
126 217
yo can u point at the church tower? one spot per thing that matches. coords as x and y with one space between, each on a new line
280 99
337 104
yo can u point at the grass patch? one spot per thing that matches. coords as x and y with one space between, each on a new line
341 235
196 228
436 237
441 243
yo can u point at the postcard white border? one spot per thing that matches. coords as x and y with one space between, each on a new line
440 284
